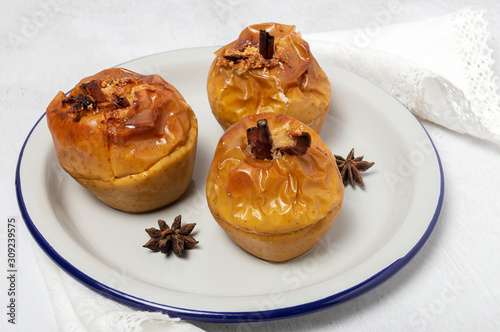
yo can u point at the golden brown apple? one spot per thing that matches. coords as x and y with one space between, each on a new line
278 204
129 139
282 76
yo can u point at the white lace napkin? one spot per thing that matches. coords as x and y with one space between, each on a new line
440 68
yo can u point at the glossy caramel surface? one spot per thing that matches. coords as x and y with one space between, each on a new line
272 196
116 139
291 83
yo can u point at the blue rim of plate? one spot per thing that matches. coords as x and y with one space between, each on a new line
226 317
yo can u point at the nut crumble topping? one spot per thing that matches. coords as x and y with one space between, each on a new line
242 60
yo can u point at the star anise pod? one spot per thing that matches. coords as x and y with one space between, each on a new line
350 168
175 238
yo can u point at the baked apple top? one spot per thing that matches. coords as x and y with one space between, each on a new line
290 188
277 74
117 123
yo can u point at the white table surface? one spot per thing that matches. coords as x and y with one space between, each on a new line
48 45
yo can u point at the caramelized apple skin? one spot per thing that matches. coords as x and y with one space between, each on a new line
294 85
269 207
113 146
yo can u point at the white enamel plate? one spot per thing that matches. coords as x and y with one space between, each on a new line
379 229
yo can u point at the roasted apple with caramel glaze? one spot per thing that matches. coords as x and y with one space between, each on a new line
274 186
268 69
129 139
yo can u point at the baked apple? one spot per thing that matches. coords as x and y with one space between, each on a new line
268 69
274 186
129 139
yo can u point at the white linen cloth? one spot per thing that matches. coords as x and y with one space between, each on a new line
440 68
79 309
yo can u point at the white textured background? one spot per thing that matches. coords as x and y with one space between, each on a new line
48 45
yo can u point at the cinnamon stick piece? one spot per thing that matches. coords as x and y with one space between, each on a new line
302 144
259 138
266 44
92 89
